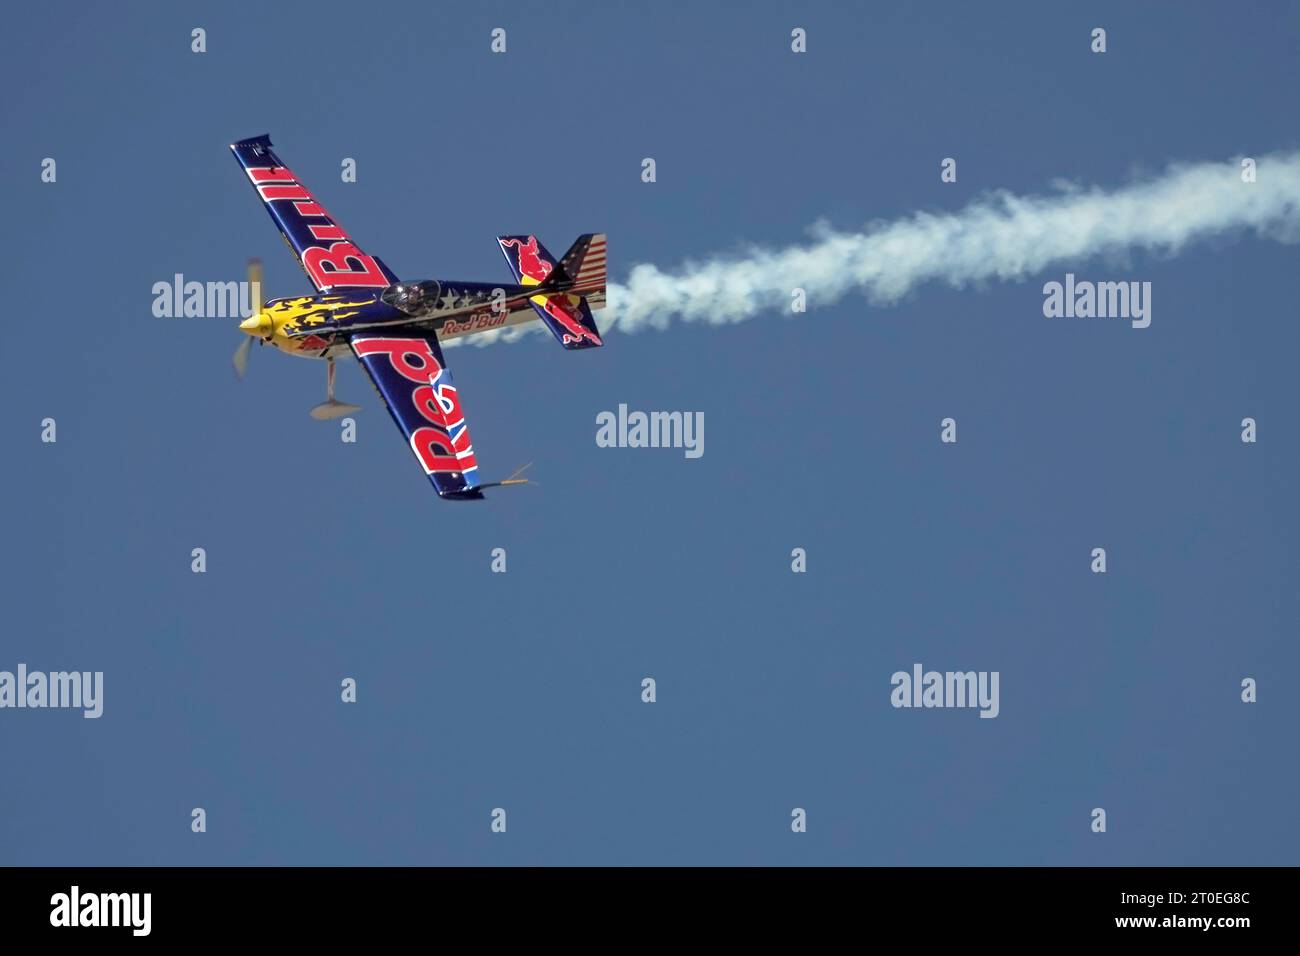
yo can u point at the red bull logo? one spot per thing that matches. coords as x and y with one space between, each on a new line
477 322
531 263
329 256
443 445
567 310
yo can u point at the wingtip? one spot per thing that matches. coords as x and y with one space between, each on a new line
263 140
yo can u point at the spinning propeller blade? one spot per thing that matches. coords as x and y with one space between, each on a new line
240 358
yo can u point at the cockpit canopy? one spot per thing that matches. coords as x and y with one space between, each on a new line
413 298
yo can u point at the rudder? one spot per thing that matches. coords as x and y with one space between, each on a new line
585 264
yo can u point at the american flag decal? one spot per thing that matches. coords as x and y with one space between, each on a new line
585 264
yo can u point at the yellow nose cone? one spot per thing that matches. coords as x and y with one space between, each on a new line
259 325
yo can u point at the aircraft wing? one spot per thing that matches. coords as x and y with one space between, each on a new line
408 370
327 254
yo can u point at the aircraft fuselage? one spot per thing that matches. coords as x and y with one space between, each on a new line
318 326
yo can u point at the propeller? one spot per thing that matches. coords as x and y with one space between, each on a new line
240 358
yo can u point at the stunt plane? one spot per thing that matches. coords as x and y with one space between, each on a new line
394 327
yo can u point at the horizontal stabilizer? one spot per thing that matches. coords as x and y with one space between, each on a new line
569 318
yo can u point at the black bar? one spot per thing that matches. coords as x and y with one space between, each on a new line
333 905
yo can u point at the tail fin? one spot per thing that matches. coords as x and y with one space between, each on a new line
571 288
585 264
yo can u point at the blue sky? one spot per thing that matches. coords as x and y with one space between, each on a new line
478 690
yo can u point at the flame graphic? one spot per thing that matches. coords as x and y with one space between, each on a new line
295 315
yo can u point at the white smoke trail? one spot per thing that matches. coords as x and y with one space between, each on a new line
999 236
